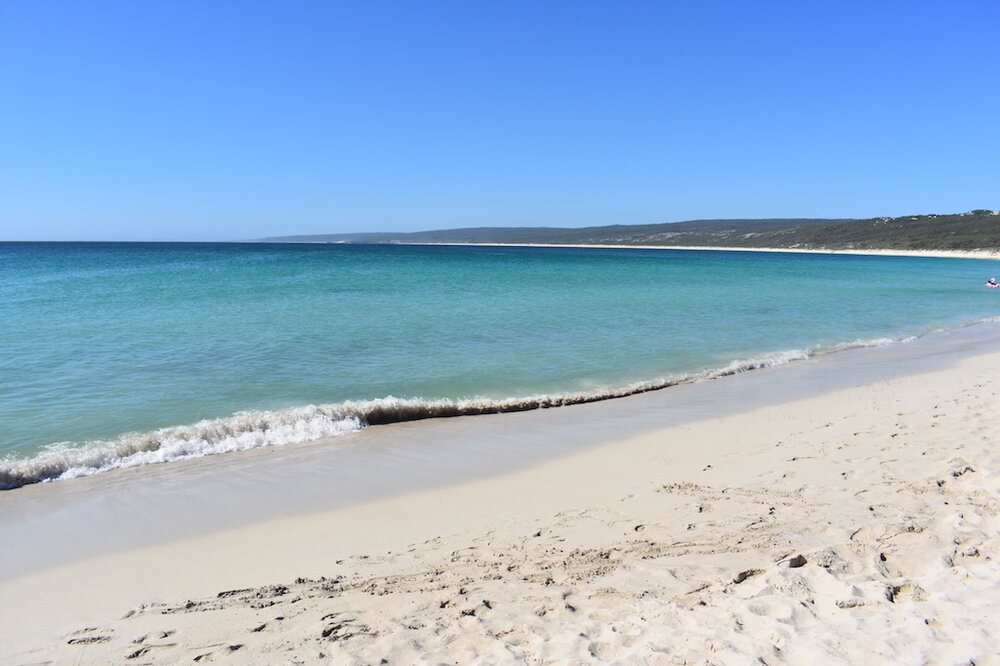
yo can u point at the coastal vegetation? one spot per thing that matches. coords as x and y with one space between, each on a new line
974 230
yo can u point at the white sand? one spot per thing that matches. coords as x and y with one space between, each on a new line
856 527
946 254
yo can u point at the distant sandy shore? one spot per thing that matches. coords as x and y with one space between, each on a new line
857 526
945 254
953 254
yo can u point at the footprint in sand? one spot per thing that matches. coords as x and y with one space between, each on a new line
89 636
221 651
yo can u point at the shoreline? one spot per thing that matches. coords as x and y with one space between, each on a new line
387 411
727 504
18 473
941 254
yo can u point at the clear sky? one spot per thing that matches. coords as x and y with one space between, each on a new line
214 120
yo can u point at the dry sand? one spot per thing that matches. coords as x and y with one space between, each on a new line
944 254
856 527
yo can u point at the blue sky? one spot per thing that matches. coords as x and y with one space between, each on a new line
218 120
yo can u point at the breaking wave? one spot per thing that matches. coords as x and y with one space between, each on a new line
254 429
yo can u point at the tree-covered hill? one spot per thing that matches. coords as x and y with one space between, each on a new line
975 230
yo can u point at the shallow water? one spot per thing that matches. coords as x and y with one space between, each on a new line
124 354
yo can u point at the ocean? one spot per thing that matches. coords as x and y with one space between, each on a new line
123 354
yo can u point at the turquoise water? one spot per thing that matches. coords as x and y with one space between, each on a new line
122 354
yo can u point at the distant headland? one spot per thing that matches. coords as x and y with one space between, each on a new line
974 231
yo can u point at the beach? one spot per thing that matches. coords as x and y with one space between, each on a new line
341 333
939 254
841 510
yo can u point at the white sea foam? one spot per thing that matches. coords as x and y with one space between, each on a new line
254 429
243 430
764 361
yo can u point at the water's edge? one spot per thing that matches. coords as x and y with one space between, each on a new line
255 429
51 523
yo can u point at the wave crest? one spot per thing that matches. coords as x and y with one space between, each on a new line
255 429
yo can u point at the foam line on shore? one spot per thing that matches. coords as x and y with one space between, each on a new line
258 428
254 429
